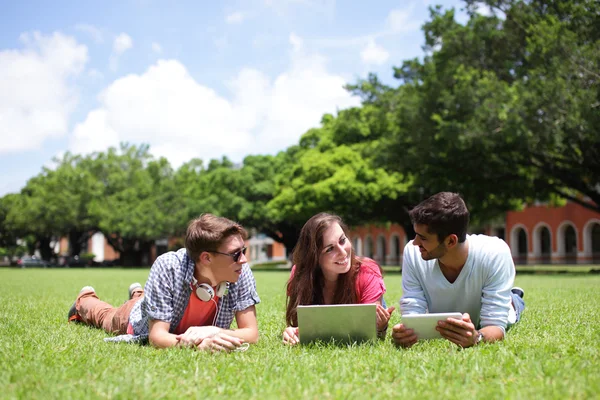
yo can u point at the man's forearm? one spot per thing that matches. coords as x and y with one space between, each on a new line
163 340
249 335
492 333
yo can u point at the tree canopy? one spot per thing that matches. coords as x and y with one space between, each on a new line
504 109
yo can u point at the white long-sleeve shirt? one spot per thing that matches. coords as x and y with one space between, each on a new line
482 288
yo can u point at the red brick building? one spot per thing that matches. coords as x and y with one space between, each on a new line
539 234
542 234
383 244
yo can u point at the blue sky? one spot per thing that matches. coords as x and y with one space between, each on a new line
192 79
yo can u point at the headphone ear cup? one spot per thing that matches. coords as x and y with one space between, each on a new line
221 289
205 292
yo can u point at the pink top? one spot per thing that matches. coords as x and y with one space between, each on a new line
369 282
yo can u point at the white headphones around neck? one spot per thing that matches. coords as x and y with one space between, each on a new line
205 292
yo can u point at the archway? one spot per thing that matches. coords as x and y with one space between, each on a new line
570 243
596 244
368 247
358 250
545 239
519 244
394 250
567 242
381 250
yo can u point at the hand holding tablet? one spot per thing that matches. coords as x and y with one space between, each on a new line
424 324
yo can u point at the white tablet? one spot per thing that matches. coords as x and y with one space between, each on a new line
424 324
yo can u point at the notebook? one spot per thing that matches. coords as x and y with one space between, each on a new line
343 323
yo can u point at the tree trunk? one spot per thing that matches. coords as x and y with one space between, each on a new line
45 249
76 241
287 235
136 252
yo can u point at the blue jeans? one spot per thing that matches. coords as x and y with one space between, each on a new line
519 305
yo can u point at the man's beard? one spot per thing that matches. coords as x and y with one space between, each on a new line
439 252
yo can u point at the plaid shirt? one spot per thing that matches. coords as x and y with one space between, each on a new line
168 289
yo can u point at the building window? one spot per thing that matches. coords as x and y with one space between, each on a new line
545 245
522 247
596 243
570 241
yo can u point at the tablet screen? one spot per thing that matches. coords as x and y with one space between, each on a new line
424 324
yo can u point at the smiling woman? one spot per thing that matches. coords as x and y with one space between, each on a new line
327 271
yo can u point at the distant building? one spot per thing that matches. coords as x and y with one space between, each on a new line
262 248
96 244
384 244
540 234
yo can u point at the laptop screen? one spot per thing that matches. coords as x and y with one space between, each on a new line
344 323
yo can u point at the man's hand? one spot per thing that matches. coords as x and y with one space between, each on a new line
461 332
403 336
383 317
290 336
220 342
194 335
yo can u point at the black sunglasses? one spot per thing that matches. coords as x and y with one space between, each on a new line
236 256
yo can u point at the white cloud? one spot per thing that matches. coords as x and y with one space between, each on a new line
397 23
94 134
37 95
374 54
91 30
121 44
487 11
296 42
156 47
235 18
283 7
181 119
165 107
95 74
401 21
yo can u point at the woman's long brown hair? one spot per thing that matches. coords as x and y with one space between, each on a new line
306 286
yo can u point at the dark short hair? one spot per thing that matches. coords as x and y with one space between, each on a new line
444 214
208 232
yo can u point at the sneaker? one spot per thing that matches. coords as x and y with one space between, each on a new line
134 287
73 316
518 291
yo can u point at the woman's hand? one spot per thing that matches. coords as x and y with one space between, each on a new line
290 336
383 317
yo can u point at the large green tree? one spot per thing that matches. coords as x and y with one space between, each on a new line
8 232
55 203
331 169
139 203
504 108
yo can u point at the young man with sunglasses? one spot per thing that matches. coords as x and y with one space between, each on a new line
446 270
191 296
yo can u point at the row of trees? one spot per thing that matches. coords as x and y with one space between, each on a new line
504 109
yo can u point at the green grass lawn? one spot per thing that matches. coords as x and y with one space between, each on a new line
553 353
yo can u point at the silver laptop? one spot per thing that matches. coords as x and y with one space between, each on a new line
343 323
